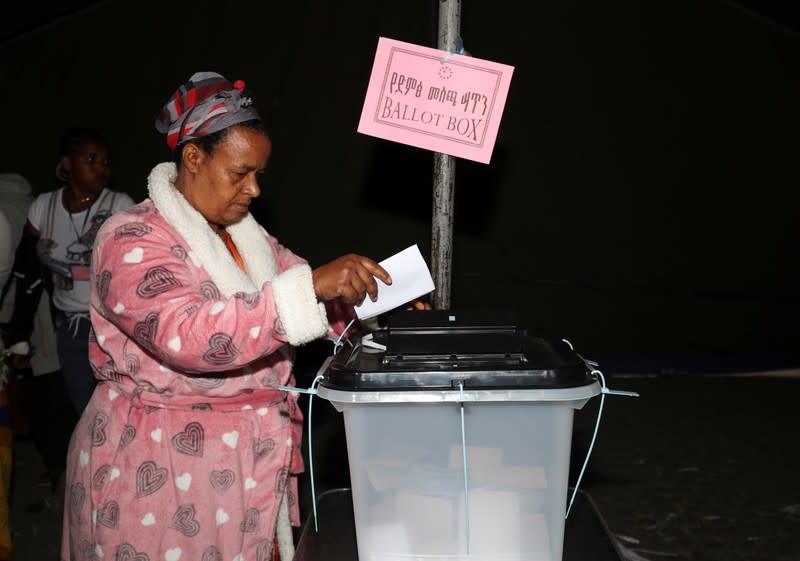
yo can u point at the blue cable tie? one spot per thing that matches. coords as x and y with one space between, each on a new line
459 50
608 391
337 343
293 389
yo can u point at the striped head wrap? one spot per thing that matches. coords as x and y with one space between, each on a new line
206 104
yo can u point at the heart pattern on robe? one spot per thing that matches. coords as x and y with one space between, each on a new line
211 554
281 480
264 550
98 429
210 291
128 434
145 331
102 282
222 480
190 440
131 364
250 522
101 476
262 448
157 280
179 252
149 478
184 521
221 349
207 382
189 310
132 229
138 210
108 515
126 552
77 494
108 371
249 299
271 379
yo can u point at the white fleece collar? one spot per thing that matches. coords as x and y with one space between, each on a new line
207 248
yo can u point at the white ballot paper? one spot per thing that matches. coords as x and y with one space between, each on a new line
410 279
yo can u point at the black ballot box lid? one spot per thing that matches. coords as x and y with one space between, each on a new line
445 350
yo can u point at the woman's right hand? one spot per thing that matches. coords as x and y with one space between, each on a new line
350 277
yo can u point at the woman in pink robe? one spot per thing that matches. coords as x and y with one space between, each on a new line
188 449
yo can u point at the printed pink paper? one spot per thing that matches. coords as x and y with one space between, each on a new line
428 98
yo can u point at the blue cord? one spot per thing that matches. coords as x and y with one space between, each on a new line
591 445
603 392
464 459
310 453
311 391
337 343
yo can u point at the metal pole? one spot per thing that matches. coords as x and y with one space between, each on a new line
444 176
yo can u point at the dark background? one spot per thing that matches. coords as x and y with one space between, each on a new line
642 199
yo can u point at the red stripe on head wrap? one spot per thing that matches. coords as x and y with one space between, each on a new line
172 140
178 104
191 97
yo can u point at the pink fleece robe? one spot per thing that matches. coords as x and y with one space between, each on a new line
187 449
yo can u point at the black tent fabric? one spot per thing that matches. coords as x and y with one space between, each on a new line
642 198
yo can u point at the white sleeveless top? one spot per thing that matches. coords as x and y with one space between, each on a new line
66 241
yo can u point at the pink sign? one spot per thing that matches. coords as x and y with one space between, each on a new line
428 98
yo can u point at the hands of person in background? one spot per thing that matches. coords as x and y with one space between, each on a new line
20 362
418 305
379 322
17 356
350 277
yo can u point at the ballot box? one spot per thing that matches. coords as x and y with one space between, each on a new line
458 431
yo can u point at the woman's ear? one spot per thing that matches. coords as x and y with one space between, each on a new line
62 169
192 157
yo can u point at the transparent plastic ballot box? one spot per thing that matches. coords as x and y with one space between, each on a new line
332 536
458 433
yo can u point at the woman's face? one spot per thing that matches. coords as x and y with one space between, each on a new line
221 185
89 168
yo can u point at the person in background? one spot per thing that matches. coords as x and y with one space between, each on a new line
34 362
62 225
190 445
15 196
14 200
